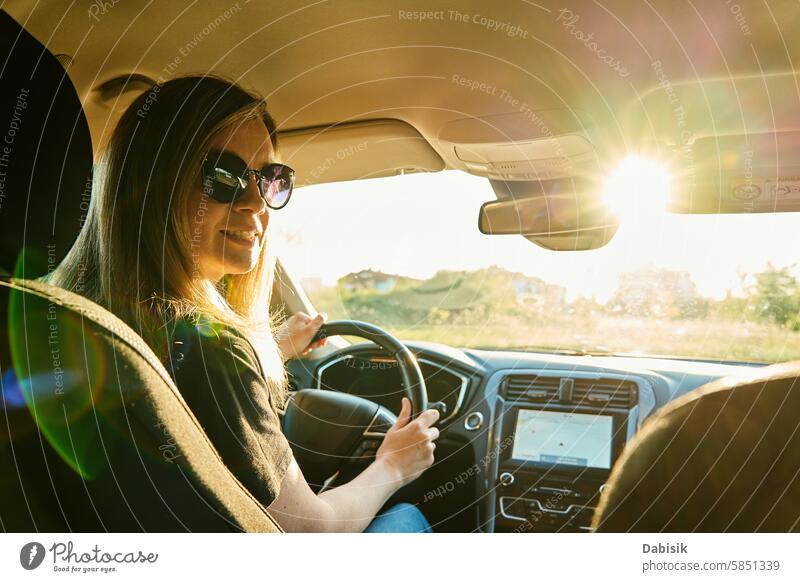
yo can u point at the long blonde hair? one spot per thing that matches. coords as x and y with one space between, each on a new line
134 253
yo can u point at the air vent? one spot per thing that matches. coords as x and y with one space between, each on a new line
532 388
605 392
593 392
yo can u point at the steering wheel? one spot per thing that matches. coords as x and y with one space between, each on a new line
328 429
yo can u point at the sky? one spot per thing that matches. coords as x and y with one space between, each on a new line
418 224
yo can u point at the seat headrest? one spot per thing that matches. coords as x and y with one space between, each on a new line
45 155
722 458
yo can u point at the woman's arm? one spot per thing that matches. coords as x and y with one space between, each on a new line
406 452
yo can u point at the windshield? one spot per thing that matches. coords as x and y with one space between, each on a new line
405 253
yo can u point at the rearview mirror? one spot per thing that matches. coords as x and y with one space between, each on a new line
558 222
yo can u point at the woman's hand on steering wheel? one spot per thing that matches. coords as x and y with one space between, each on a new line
295 336
408 445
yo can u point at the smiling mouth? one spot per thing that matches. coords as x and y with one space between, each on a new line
247 237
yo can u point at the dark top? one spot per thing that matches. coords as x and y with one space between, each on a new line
220 377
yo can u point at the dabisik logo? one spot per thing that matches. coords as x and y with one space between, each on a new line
31 555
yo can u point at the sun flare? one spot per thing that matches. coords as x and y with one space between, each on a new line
638 187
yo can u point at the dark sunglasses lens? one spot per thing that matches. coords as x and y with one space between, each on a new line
277 183
221 177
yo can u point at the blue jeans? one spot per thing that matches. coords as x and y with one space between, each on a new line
401 518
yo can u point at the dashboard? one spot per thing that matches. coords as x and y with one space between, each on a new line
372 375
528 439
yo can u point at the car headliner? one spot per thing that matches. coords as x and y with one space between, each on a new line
328 62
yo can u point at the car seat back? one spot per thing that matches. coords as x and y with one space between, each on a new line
94 435
723 458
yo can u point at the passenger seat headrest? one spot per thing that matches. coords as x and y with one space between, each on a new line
722 458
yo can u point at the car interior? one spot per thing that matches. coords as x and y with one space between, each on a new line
539 101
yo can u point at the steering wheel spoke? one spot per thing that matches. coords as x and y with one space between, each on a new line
381 423
367 448
372 437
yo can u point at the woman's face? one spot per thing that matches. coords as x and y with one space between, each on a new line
226 239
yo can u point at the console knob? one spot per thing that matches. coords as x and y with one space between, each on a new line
474 421
506 479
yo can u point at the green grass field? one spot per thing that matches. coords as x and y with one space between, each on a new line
484 309
712 338
723 340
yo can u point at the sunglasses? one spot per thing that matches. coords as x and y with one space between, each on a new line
226 175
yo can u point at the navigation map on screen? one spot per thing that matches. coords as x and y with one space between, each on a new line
563 438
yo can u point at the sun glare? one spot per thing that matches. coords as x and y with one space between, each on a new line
638 187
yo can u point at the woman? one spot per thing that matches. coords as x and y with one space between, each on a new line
175 244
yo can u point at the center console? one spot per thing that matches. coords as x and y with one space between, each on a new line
555 436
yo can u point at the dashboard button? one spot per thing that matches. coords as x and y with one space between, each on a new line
473 421
506 479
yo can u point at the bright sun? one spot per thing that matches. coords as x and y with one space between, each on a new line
638 187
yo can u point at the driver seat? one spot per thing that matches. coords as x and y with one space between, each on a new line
94 434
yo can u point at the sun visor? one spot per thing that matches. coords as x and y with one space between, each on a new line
679 113
738 174
353 151
522 146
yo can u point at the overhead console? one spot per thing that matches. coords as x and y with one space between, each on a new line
554 438
525 145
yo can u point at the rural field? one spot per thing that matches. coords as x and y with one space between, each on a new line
660 314
691 339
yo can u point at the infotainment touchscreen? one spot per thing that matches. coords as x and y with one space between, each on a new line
563 438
